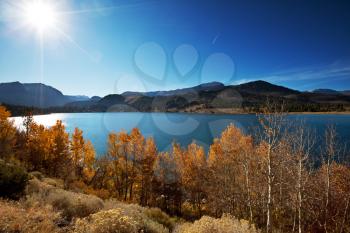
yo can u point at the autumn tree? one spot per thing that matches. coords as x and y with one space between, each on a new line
38 148
77 147
233 165
7 134
146 164
193 170
89 157
114 169
167 189
60 164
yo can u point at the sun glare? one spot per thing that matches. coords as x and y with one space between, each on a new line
40 15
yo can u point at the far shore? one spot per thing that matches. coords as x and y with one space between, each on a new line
206 111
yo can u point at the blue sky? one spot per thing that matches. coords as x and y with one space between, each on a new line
111 46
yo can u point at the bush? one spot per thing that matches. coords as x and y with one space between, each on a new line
15 218
152 219
69 203
160 217
36 174
13 180
107 221
121 220
225 224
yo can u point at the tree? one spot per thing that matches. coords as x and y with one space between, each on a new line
166 186
88 162
303 143
331 152
146 168
60 162
233 170
77 147
272 121
38 148
193 170
7 135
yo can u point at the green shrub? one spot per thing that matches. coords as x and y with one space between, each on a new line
13 180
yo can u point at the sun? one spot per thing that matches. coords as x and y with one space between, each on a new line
41 15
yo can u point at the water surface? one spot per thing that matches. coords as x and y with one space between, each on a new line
179 127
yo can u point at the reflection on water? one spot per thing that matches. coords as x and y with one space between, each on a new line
169 127
45 120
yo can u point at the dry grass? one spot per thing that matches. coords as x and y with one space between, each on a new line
16 218
47 207
69 203
225 224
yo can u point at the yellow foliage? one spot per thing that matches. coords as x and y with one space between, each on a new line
7 134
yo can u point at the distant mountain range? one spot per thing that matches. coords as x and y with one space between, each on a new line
331 92
208 97
35 95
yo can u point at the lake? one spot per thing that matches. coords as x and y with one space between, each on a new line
180 127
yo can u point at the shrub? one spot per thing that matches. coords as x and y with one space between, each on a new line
160 217
36 174
69 203
15 218
54 182
122 220
153 219
107 221
13 180
225 224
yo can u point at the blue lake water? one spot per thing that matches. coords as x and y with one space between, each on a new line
179 127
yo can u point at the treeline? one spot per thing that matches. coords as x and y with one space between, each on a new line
178 104
293 106
267 179
17 110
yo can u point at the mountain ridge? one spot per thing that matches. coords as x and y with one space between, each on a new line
207 97
35 95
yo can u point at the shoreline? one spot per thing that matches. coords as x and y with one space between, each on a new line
203 113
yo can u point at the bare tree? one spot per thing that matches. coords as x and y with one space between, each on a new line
331 149
303 142
272 120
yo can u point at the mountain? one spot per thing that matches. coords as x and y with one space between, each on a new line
213 86
215 97
347 92
73 98
326 91
264 88
34 95
207 97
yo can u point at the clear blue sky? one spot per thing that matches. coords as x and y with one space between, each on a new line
112 46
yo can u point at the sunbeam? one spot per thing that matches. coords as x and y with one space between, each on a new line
76 44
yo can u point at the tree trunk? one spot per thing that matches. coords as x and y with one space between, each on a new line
299 196
269 183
